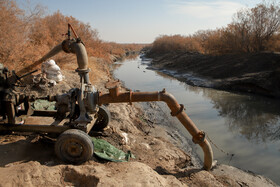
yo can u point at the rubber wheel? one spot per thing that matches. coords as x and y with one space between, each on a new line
103 119
74 146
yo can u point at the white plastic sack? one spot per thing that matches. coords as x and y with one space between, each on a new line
52 71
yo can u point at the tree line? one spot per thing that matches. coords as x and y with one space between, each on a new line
252 30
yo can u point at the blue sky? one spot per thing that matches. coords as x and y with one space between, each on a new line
141 21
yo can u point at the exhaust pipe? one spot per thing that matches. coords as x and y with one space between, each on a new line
114 96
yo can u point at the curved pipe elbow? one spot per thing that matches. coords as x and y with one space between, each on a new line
78 48
170 100
81 53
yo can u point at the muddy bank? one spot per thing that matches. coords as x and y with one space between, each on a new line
250 73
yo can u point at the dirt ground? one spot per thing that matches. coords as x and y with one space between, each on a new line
29 160
253 73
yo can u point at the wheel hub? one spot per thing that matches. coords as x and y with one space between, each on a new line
74 149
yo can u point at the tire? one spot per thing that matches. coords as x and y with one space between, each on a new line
74 146
103 119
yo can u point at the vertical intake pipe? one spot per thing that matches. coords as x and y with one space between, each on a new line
114 96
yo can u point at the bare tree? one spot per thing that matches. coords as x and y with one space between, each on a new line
241 30
256 26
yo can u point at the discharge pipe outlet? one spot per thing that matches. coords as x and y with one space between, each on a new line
114 96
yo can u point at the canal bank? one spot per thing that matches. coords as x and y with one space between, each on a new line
257 73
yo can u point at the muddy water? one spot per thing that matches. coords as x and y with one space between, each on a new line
247 126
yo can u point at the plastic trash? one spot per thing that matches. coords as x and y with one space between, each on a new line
105 150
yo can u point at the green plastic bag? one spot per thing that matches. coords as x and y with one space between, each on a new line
106 151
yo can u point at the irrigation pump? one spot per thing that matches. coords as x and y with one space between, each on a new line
81 109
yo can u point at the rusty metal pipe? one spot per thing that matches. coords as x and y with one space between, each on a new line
114 96
52 53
